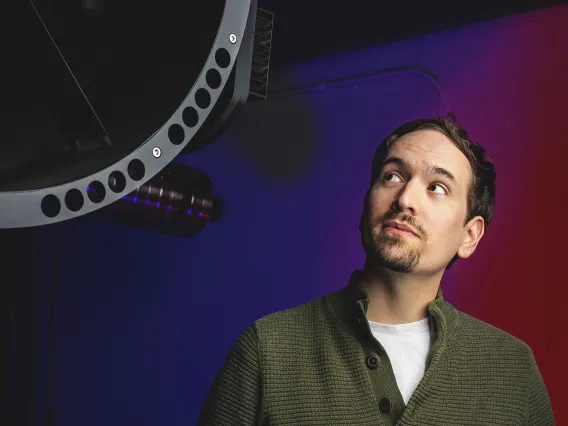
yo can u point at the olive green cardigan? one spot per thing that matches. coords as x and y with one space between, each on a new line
319 364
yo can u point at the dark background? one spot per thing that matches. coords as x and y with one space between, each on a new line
312 28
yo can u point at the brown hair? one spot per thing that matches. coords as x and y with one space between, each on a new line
481 196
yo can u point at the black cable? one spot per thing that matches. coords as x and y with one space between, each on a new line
68 68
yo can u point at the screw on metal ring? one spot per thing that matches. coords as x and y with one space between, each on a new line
156 152
233 38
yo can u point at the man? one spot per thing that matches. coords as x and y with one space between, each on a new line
388 349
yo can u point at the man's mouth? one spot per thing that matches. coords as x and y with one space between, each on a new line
399 228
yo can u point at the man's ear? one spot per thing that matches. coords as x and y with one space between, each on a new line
473 232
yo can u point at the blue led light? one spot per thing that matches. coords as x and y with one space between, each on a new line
168 207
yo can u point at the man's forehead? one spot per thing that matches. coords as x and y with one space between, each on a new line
430 148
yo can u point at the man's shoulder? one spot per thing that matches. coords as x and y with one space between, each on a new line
482 333
299 315
295 329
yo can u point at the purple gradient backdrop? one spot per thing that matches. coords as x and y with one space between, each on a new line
144 321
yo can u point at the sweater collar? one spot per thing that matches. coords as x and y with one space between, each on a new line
355 292
349 307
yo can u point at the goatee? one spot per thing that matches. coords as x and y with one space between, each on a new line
393 251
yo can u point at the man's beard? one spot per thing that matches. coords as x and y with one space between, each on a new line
391 251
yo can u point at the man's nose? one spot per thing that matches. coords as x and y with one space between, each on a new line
408 198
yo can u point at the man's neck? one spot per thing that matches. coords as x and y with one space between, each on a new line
398 298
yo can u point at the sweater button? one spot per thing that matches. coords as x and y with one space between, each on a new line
385 405
373 361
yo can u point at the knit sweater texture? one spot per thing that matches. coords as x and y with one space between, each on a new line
319 364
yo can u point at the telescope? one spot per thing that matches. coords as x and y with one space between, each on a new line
101 97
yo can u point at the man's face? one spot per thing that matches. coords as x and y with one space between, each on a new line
424 186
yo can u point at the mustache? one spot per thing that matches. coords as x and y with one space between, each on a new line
403 218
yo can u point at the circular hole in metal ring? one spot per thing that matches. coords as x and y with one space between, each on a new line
50 206
190 117
116 182
96 192
213 78
202 98
136 170
223 57
176 134
74 200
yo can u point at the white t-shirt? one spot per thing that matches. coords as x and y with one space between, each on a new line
407 346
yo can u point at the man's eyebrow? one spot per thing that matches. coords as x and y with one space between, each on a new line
432 169
436 170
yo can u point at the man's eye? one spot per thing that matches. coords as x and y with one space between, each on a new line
389 176
438 189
